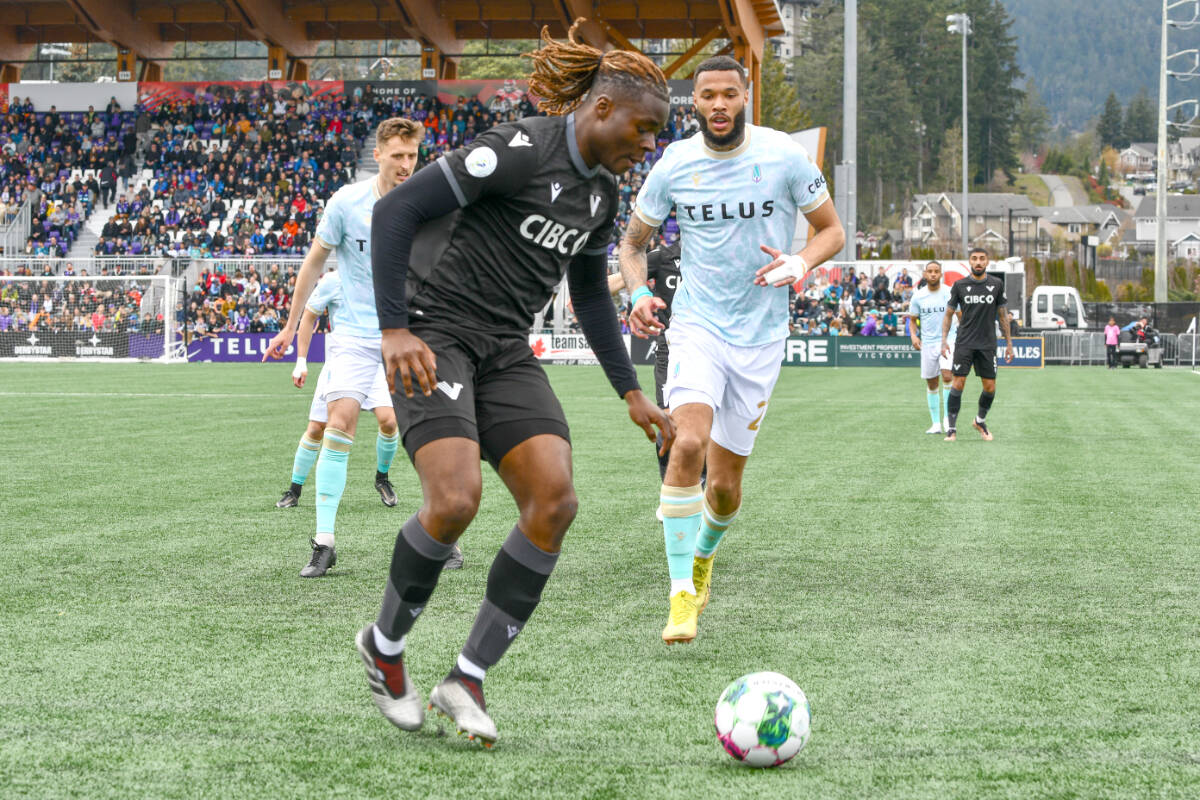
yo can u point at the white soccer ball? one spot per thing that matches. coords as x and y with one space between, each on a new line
762 719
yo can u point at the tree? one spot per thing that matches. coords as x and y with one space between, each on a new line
994 94
949 171
1033 121
1109 127
781 107
1141 119
496 59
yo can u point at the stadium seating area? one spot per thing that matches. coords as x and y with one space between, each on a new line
57 306
53 159
857 305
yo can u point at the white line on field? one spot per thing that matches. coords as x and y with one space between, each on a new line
189 395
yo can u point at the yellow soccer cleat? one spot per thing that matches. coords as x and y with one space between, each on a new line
702 577
681 626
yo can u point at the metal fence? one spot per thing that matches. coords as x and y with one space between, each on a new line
1088 348
15 232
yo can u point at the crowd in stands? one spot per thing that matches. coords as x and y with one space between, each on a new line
76 307
854 305
52 160
244 302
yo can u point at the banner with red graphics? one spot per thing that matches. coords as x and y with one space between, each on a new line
3 98
153 95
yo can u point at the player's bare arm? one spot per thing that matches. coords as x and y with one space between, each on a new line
405 353
915 326
631 254
616 282
947 321
1002 311
306 279
308 326
784 270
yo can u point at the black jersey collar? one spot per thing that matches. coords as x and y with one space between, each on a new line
573 148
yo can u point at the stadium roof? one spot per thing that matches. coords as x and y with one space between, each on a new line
149 28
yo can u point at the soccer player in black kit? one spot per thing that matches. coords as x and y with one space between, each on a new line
464 254
662 267
981 299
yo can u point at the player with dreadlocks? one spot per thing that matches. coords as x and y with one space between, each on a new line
464 254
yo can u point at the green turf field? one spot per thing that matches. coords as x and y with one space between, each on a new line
1007 619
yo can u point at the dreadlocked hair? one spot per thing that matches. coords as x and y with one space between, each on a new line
564 72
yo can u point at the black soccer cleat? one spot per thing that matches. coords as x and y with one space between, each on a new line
322 559
951 435
386 493
455 561
290 499
983 430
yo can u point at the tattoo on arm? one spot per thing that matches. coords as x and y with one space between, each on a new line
631 253
1003 312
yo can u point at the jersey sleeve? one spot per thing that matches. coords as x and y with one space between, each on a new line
654 201
325 294
331 227
808 184
953 300
497 163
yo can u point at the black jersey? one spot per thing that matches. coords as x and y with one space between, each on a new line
662 267
528 205
979 301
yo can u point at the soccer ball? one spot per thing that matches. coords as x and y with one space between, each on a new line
762 719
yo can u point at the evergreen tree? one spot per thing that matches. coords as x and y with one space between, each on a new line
1141 119
1109 128
781 107
1033 121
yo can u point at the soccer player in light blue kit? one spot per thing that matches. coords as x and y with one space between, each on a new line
354 362
328 297
926 311
737 190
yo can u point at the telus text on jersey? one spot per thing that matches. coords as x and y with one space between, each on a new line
710 212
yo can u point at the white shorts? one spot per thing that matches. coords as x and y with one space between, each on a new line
932 361
735 382
353 368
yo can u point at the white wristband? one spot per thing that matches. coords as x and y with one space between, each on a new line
300 368
793 268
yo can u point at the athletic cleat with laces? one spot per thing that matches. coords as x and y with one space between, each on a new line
951 435
384 486
983 430
681 625
455 561
463 704
702 577
290 499
393 693
322 559
935 429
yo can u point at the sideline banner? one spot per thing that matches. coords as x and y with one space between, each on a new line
79 344
850 351
1029 352
247 347
564 348
153 94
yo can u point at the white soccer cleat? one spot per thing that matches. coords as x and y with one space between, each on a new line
658 513
463 703
935 429
392 691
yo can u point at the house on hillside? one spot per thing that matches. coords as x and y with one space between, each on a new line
1183 226
935 220
1074 223
1139 157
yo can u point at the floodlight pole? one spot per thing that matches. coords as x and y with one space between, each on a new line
847 175
1160 204
961 23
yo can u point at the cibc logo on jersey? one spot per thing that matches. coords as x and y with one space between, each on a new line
553 235
974 299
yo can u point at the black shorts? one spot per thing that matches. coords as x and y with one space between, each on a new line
491 389
984 362
662 357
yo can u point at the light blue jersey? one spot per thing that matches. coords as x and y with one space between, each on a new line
930 308
727 204
327 296
346 227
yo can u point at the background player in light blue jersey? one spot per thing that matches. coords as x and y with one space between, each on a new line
354 361
737 190
926 310
328 296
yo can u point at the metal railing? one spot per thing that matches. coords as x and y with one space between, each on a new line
1087 348
14 233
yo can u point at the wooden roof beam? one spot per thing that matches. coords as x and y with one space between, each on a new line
594 32
266 21
423 22
114 22
691 52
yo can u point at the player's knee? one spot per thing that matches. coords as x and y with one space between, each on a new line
725 494
454 507
315 430
689 447
388 428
